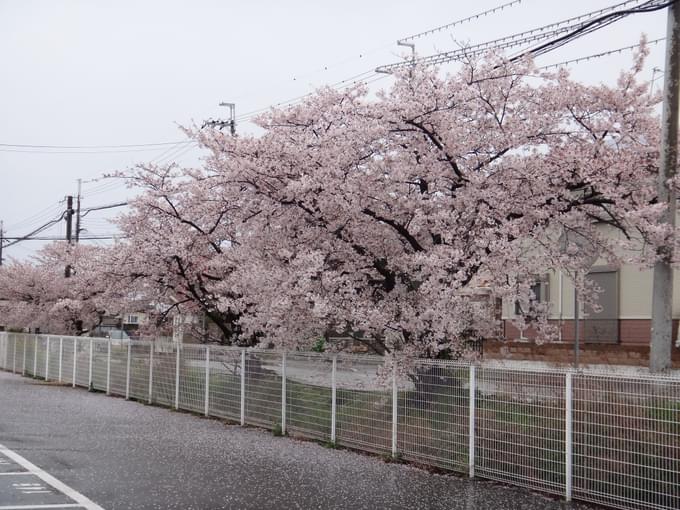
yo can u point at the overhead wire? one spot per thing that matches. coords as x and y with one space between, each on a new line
569 26
461 21
121 146
36 217
586 58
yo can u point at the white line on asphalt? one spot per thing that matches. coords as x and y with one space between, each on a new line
16 473
49 479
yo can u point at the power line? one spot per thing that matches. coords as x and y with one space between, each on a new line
123 146
593 25
347 81
60 238
585 58
458 22
48 211
38 230
99 151
32 236
573 27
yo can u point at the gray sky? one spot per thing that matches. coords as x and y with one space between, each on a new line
95 72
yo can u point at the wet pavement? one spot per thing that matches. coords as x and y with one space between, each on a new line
127 455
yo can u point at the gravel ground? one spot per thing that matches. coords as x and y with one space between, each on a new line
126 455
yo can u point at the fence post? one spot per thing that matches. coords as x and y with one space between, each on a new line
207 380
471 426
47 358
283 393
89 370
61 356
568 436
395 415
75 360
108 367
14 355
23 363
35 356
127 371
243 387
334 370
177 377
151 373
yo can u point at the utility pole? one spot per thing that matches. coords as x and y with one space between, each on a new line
69 218
2 238
69 226
232 116
80 182
223 123
662 298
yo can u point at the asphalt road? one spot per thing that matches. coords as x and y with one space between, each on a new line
126 455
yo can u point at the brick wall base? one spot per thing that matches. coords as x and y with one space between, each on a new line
630 331
563 353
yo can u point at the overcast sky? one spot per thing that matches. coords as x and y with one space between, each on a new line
89 72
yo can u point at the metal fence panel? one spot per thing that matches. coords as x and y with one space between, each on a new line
308 395
68 358
627 441
364 404
263 388
225 383
118 376
140 356
164 373
99 364
83 362
600 437
41 356
433 411
520 428
53 358
192 378
30 343
3 349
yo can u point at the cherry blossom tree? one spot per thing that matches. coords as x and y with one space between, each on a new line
386 217
383 216
37 294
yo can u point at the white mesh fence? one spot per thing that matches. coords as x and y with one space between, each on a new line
600 437
224 391
433 412
363 404
140 359
263 388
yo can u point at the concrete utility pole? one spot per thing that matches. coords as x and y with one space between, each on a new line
2 238
232 116
69 218
223 123
80 182
662 298
69 227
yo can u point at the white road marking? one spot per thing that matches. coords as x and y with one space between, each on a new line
82 501
16 473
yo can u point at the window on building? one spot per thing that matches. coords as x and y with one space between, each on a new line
602 327
132 319
540 291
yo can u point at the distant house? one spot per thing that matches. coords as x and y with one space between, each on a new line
618 334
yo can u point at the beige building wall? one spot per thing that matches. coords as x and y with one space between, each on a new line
635 290
635 295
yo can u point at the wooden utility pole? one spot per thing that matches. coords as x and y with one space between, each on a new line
662 298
